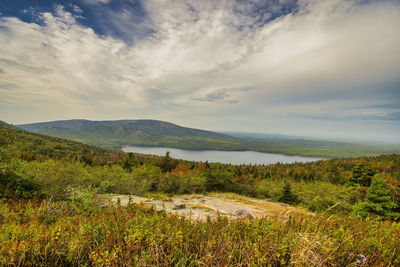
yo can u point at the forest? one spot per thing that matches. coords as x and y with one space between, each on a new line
50 214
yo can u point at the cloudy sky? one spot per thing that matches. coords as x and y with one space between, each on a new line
308 67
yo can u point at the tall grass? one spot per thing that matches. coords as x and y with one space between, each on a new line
48 234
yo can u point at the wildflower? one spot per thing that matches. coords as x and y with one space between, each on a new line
363 258
301 234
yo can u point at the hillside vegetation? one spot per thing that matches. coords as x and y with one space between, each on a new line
116 134
51 192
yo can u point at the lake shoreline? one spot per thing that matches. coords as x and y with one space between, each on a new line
221 156
121 147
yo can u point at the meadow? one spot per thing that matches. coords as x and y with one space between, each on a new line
56 233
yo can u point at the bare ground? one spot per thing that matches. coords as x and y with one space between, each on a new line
199 207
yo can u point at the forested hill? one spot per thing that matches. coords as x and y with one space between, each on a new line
15 142
115 134
123 128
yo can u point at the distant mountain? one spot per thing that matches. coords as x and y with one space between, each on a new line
115 134
122 127
264 136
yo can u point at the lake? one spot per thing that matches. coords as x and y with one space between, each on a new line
232 157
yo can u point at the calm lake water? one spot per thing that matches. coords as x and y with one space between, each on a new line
232 157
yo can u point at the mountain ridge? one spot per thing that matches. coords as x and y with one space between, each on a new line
152 127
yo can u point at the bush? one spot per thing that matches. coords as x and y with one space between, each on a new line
263 188
17 183
172 184
55 176
321 204
219 180
197 183
83 198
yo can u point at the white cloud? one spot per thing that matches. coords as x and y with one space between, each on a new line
95 2
77 9
331 53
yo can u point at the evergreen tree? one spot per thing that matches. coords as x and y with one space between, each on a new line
167 163
287 195
377 202
127 163
362 174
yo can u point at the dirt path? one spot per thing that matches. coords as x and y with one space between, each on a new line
199 207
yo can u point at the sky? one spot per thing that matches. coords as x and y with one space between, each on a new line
308 67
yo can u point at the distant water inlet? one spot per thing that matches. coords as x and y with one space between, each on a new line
228 157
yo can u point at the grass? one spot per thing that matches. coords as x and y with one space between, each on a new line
157 195
48 234
201 207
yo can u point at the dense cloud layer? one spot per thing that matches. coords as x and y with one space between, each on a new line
329 68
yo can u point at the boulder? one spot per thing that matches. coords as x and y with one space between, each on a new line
244 214
178 206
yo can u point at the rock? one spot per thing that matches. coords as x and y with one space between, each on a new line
244 214
179 206
104 206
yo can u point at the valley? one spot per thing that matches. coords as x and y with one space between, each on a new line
153 133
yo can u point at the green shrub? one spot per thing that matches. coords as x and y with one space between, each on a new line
197 183
83 198
219 180
321 204
172 184
263 188
17 183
